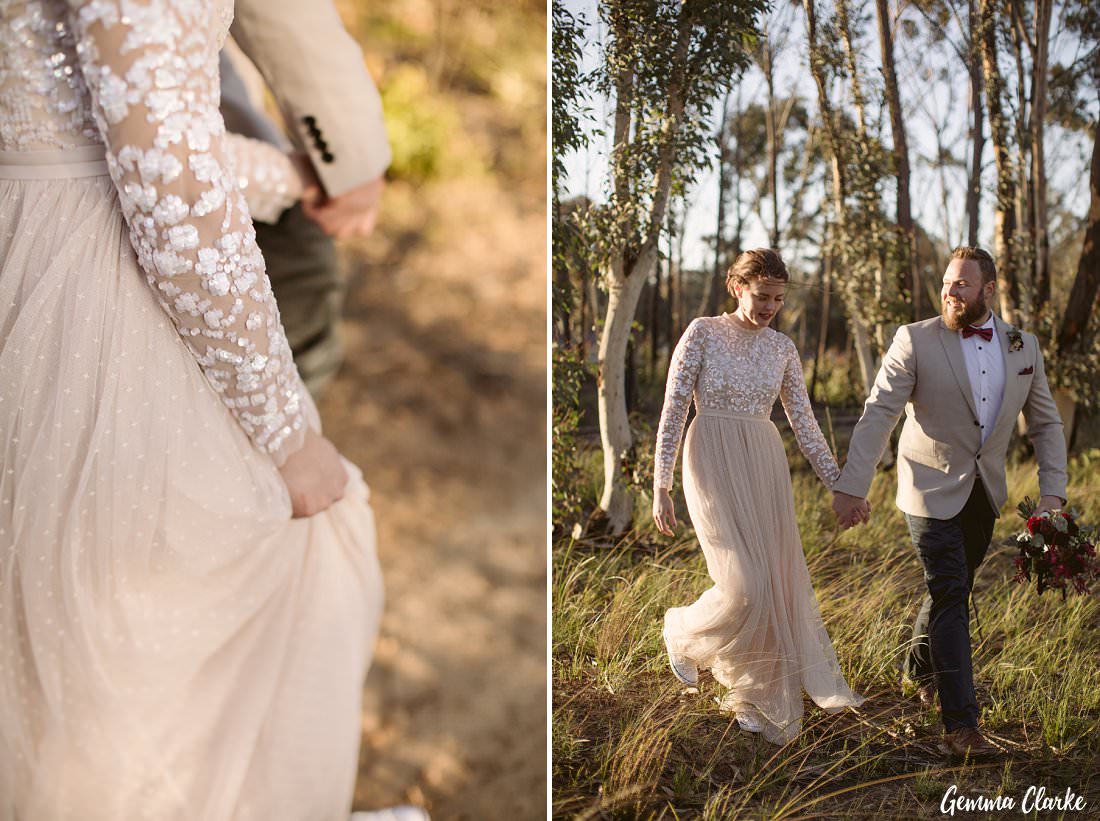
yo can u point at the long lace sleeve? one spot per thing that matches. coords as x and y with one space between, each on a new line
683 371
152 69
800 415
265 175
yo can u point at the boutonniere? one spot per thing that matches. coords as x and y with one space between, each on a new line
1015 340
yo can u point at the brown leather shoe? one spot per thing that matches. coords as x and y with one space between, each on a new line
967 742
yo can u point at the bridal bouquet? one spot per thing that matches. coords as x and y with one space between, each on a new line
1054 549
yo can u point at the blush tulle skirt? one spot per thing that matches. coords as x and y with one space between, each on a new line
173 646
758 629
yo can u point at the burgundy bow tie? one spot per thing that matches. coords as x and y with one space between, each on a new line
984 333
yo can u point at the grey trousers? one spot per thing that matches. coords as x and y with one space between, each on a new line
951 551
309 288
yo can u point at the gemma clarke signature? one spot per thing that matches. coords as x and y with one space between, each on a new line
1035 799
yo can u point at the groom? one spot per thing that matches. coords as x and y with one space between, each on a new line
962 379
333 113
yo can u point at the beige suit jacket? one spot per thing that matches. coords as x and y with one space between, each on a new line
316 73
941 451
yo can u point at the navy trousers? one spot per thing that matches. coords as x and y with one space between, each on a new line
950 550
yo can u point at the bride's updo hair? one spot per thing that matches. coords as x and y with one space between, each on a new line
758 263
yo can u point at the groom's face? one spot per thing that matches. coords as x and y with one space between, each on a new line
964 298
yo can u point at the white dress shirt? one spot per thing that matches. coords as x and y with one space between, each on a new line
986 369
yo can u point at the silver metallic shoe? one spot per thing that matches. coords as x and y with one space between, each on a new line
748 717
682 667
750 720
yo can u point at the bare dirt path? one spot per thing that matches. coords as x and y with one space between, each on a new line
442 402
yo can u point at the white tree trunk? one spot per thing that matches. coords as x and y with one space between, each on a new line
622 303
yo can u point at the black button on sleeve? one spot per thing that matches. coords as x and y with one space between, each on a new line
327 157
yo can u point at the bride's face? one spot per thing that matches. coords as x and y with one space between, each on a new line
760 300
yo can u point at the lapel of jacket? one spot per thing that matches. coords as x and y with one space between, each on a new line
952 346
1010 382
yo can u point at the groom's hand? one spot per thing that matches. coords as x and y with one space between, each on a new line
1049 503
850 510
352 214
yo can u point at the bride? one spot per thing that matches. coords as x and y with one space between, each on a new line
758 629
189 591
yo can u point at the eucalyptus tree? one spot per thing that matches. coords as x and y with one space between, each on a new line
956 24
863 245
1027 95
907 271
1078 366
764 147
730 171
1077 86
1075 103
1005 244
567 135
664 65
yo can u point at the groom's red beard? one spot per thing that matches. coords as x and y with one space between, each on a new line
970 312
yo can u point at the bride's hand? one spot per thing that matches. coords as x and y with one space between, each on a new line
664 514
314 476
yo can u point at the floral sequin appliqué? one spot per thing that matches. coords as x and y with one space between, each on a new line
142 79
727 368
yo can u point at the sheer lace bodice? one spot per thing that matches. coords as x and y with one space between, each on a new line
141 78
728 368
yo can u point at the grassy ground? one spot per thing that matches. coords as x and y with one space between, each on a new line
629 742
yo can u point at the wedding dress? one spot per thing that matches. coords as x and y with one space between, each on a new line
172 644
758 628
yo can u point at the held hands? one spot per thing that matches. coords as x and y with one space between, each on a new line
664 515
850 510
314 476
352 214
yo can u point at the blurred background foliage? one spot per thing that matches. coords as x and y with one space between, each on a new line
441 401
463 85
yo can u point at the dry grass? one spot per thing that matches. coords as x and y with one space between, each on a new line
629 743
